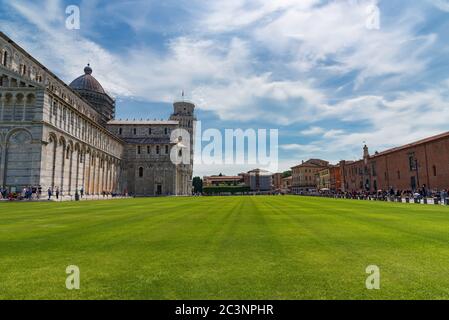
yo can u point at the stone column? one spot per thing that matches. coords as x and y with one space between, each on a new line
106 178
111 181
98 179
24 108
87 170
111 177
69 185
2 160
2 105
100 176
77 170
61 185
53 164
94 174
83 175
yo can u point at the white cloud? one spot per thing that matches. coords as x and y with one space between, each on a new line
441 4
407 117
271 61
334 37
308 148
313 131
223 74
229 15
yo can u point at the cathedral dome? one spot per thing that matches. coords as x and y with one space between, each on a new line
87 82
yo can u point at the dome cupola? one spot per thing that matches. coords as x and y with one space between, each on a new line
91 90
87 82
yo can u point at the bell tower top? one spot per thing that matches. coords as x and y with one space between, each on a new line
182 108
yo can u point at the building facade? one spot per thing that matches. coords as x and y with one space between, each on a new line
335 178
323 178
211 181
304 175
287 184
60 137
409 167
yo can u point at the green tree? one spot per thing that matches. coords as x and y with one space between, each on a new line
197 185
287 174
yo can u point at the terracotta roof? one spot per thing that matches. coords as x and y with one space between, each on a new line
308 164
87 82
413 144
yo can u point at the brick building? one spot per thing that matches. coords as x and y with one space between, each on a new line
277 181
424 162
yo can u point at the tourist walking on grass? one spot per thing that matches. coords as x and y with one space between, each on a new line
49 194
57 193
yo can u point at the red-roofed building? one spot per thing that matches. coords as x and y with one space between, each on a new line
409 167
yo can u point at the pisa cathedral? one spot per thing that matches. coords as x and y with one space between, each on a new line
66 138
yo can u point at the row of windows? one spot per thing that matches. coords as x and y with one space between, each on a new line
23 70
27 69
140 172
148 149
398 173
360 171
72 123
134 131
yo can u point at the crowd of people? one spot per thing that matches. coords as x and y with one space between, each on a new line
36 194
29 193
421 194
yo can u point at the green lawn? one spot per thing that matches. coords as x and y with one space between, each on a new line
224 248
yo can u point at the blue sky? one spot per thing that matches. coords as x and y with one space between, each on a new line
310 68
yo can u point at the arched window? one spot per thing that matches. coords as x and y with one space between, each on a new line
166 131
138 150
140 172
166 149
135 131
180 153
120 130
5 58
434 171
149 131
158 150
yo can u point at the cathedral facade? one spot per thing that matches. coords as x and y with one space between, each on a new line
65 137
